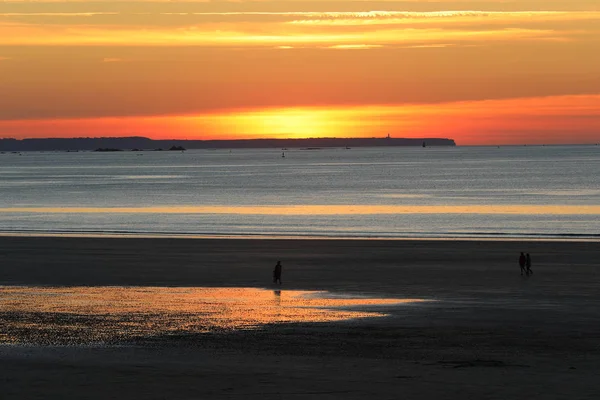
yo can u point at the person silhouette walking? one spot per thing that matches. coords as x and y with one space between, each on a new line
277 273
528 264
522 262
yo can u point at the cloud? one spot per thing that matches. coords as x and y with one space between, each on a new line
256 36
225 27
355 46
56 14
430 46
402 17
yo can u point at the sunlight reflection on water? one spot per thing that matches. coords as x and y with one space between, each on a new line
80 315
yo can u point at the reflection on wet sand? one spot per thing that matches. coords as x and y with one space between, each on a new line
79 315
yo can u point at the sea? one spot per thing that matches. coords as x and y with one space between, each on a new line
538 192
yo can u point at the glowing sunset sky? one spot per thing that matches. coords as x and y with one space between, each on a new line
478 71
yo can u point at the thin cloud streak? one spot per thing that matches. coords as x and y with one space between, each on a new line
57 14
292 28
400 17
22 35
345 17
355 46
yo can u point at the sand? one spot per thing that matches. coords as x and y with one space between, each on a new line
489 333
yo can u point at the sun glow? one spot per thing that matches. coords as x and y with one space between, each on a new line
478 71
468 123
288 122
301 122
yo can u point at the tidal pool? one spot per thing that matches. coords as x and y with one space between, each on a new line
88 315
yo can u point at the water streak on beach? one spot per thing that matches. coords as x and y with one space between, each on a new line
306 210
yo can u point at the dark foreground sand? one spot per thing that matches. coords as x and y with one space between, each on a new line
491 334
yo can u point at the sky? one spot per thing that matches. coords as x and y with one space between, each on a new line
483 72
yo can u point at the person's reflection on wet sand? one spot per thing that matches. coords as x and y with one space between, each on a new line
277 298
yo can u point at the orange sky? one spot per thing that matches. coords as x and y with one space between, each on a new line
478 71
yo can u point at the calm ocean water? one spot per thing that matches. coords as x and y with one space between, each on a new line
551 191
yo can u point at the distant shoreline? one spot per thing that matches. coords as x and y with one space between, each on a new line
539 238
143 143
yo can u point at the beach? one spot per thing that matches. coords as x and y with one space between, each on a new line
484 330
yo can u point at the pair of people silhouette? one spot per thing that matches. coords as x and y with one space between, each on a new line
525 264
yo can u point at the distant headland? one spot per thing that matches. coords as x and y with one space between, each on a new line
142 143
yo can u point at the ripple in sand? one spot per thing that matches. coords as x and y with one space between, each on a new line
86 315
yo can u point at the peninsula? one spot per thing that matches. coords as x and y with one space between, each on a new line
137 142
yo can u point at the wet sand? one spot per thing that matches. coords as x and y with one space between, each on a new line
490 333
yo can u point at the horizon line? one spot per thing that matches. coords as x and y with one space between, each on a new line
230 140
